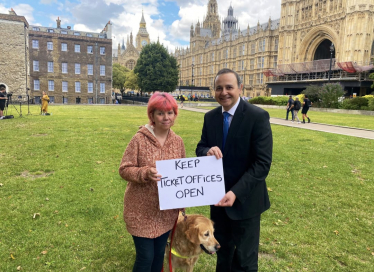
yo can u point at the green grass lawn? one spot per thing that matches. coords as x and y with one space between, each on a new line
340 119
63 170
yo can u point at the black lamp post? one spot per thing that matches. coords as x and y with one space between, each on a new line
331 51
192 78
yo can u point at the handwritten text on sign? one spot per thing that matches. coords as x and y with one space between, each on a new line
190 182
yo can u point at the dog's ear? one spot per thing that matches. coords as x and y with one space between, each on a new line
192 234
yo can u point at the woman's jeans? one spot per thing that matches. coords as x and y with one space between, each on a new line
149 253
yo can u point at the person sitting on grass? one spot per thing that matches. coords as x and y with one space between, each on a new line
148 225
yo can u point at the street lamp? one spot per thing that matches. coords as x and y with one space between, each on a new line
192 78
331 51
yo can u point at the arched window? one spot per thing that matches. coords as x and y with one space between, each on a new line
130 64
323 51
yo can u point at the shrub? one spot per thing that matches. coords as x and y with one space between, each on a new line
371 104
355 103
330 94
263 100
313 93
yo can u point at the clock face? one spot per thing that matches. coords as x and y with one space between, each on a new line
144 42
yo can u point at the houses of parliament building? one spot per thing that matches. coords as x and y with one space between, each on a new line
313 42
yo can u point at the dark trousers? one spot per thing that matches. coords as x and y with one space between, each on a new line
149 253
288 111
239 240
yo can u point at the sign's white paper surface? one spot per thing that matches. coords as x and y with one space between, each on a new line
190 182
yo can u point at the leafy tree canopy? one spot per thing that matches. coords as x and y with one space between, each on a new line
132 81
120 74
313 92
372 77
156 69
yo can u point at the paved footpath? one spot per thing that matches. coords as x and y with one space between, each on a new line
355 132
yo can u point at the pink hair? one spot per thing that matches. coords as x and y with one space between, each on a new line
162 102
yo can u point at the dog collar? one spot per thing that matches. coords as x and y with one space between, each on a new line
175 253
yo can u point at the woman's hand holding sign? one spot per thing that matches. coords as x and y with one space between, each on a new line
215 151
153 175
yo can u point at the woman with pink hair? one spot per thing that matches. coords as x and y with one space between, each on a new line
148 225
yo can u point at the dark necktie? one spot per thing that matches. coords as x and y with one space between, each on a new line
226 126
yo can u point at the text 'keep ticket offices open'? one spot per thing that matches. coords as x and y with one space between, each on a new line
190 182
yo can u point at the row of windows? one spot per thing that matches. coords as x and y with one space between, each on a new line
64 68
90 100
51 30
64 47
64 89
259 78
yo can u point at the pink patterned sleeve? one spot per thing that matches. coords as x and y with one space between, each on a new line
129 168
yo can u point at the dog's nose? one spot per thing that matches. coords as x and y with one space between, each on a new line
218 246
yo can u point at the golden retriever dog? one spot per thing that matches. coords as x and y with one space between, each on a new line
193 235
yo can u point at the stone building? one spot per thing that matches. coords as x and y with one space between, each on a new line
215 45
314 33
14 54
72 66
284 56
129 55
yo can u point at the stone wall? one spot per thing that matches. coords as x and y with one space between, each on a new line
13 55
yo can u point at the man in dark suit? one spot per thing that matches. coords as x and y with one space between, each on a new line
239 133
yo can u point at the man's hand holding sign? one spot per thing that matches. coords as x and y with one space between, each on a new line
190 182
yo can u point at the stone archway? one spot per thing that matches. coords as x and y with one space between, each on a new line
314 38
323 50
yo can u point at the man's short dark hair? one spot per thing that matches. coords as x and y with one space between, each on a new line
227 71
306 96
290 96
2 88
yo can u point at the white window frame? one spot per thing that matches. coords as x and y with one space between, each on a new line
77 68
35 65
64 47
36 84
90 87
102 50
88 49
77 86
77 48
50 66
35 44
102 87
64 67
51 85
90 69
65 86
102 70
49 45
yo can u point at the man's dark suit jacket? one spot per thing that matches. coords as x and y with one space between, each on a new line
246 158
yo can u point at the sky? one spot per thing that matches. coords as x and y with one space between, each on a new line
168 20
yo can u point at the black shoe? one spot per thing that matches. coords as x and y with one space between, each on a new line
303 121
308 120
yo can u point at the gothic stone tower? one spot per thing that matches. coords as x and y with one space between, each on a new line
212 19
308 27
142 38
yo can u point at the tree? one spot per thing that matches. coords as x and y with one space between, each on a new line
119 76
372 77
131 81
313 92
330 94
156 69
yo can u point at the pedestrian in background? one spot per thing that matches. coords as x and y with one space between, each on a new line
306 105
45 101
289 106
296 108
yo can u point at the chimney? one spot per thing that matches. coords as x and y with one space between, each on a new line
58 22
69 27
12 12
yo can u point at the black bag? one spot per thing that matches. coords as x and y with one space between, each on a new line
8 117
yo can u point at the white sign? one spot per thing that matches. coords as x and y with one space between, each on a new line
190 182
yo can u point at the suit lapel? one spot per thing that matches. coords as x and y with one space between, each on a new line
234 126
218 124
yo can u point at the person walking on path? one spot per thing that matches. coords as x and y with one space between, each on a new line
45 101
182 100
306 104
246 153
289 106
148 225
296 108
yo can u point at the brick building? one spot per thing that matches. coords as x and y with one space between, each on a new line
72 66
14 54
